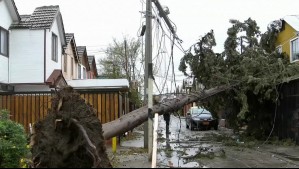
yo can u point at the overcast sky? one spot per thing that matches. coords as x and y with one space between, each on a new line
96 22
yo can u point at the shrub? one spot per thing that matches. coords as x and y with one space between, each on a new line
12 142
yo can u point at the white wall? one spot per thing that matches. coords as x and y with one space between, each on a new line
26 56
5 22
51 65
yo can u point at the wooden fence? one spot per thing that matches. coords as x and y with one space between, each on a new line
26 108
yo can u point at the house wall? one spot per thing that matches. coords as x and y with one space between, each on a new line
284 38
89 75
26 63
5 22
50 64
67 73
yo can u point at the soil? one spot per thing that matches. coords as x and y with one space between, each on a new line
70 136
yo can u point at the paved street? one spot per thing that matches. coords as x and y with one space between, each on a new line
202 149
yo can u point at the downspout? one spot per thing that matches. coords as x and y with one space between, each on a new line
45 53
8 52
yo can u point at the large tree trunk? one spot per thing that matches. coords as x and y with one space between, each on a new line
138 116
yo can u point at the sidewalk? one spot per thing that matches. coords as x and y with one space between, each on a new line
130 153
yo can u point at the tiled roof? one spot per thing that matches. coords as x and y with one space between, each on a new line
24 22
90 59
68 37
55 78
81 50
42 18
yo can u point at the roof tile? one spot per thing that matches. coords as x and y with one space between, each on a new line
41 18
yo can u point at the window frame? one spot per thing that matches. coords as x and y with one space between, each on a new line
84 73
72 66
65 62
79 71
54 41
6 40
291 49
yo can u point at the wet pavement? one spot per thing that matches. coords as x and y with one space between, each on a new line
183 148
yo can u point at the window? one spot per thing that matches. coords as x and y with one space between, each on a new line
295 49
54 48
84 73
3 42
79 71
72 66
65 63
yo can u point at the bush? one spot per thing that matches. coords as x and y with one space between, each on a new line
12 142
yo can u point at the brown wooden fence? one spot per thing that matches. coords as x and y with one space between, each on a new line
26 108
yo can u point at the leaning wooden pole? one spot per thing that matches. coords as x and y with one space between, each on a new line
139 116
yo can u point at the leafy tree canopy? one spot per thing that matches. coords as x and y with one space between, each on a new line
120 62
251 63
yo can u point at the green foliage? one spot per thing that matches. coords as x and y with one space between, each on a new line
252 66
120 62
12 142
135 98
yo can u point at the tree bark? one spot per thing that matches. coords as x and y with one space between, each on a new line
139 116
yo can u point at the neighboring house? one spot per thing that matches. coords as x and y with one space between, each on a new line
70 60
36 50
288 37
9 14
93 72
83 66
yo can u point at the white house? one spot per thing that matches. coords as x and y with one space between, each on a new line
9 15
36 50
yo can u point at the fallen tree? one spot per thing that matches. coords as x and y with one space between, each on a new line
69 136
139 116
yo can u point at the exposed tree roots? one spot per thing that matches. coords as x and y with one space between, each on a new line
70 136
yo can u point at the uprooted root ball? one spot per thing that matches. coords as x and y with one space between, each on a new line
70 135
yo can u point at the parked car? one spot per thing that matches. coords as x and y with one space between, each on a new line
200 118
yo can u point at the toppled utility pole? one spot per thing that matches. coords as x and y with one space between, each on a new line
163 15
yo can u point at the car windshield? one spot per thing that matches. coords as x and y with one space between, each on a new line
200 111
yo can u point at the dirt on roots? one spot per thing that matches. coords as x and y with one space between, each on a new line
69 136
